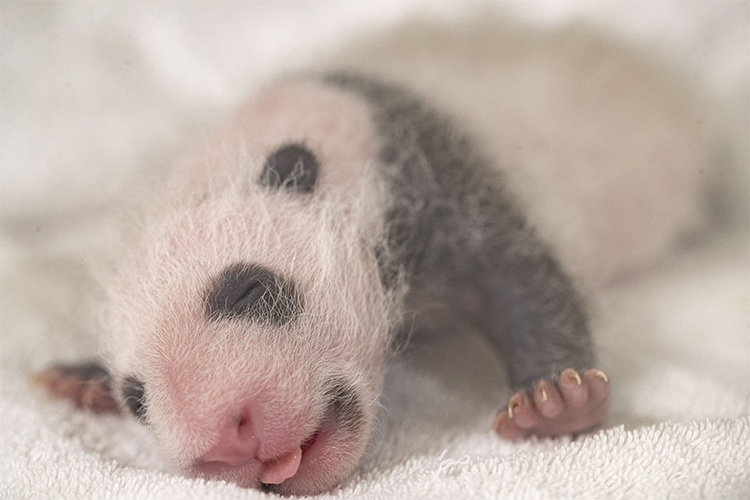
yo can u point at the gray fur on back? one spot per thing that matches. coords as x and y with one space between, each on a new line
451 227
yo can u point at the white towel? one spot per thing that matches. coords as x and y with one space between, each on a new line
93 95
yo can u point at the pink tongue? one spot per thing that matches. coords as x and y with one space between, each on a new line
284 467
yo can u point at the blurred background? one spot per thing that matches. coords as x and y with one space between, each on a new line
92 92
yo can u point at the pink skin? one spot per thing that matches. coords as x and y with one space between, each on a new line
235 454
298 471
572 404
553 409
237 448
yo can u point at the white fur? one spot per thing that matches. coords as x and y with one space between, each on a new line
214 213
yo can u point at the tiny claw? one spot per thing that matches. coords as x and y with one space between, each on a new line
600 374
511 406
571 374
542 388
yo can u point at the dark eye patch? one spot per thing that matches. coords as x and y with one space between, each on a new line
292 167
135 397
248 291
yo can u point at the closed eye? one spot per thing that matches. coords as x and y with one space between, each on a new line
292 167
251 292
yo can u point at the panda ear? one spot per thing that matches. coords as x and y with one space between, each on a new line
292 167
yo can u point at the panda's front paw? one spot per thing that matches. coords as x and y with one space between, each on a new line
86 384
570 404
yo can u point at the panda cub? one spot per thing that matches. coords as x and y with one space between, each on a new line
250 321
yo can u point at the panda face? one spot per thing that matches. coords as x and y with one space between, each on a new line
247 327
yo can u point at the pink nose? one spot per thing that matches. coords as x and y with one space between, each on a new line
237 443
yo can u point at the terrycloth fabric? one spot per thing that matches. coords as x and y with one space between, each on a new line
677 350
93 97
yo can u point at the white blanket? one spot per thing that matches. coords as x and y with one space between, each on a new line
94 95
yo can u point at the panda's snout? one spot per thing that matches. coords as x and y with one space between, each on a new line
238 451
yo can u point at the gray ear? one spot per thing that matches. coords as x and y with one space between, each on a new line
292 167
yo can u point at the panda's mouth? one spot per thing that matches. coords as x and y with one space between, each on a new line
318 462
314 447
341 425
309 443
343 415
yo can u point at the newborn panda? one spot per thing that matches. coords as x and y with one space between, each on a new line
250 321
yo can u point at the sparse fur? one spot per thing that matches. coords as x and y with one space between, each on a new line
457 241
